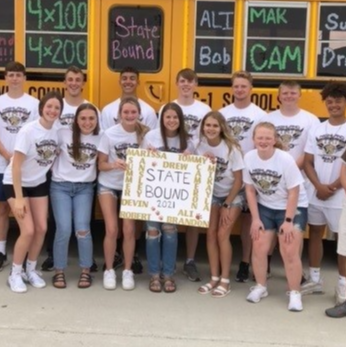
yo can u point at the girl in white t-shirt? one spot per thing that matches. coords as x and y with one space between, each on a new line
278 203
26 189
216 143
161 238
115 141
72 192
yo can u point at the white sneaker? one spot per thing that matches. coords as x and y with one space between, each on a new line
295 303
128 282
110 281
340 295
34 278
257 293
15 281
311 287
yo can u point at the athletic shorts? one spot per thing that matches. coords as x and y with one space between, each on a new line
319 215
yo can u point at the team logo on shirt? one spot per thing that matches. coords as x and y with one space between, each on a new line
67 119
191 123
239 126
265 180
121 150
221 167
330 145
14 117
289 134
47 151
116 120
88 152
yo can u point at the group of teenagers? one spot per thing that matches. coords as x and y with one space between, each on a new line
277 172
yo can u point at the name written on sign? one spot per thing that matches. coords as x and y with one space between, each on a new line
128 31
332 23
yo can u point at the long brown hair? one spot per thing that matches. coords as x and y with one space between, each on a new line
225 135
270 126
140 128
76 131
181 131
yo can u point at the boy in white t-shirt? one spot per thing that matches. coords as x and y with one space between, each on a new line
16 109
193 112
242 116
128 81
74 83
291 122
325 145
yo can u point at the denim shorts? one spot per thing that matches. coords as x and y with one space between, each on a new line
2 192
238 201
101 189
273 219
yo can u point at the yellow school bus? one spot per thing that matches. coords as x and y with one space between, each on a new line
275 40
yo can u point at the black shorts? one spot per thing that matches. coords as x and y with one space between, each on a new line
28 192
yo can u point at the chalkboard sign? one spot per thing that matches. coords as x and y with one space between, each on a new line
6 32
56 33
276 38
275 56
7 15
331 60
135 38
214 36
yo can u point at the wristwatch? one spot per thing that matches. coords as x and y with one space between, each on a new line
225 205
289 220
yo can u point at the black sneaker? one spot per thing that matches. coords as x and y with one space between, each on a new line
3 261
94 267
136 266
339 311
242 275
117 262
191 271
48 264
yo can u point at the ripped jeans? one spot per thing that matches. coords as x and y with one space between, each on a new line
72 201
161 249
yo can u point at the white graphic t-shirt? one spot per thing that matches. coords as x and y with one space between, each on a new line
327 143
66 119
66 168
242 122
193 115
153 139
109 115
293 130
114 142
273 178
14 113
40 148
227 162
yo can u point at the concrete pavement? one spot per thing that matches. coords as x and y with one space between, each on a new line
98 318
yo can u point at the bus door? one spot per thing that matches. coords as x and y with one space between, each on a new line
135 33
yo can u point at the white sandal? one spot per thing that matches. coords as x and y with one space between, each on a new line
208 287
221 292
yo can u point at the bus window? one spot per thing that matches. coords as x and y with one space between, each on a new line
276 38
332 41
214 34
6 32
56 34
135 38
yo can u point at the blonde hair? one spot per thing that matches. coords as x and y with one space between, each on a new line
270 126
225 134
242 74
140 128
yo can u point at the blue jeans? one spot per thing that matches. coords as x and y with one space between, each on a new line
161 249
72 201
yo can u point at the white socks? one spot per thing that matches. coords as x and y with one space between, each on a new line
315 274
